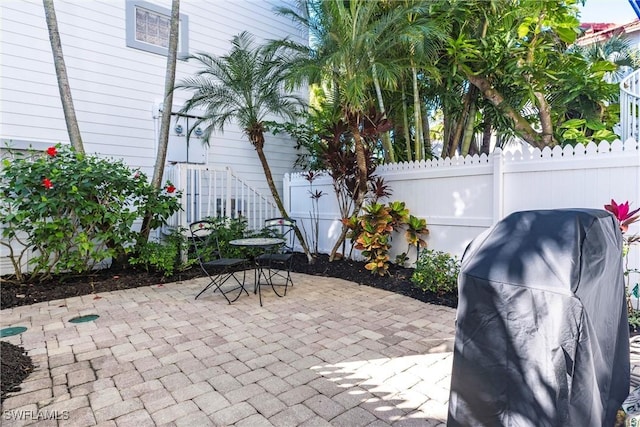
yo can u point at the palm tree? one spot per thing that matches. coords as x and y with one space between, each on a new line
343 36
617 49
165 122
63 79
245 86
353 49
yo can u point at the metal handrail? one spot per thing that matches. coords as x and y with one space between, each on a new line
630 106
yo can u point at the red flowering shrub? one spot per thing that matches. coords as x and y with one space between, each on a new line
622 213
626 217
70 211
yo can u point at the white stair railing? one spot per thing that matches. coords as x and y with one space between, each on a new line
208 192
630 106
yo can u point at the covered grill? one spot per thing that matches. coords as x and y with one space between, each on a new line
542 337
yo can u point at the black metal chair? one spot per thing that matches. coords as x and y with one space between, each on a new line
219 270
279 261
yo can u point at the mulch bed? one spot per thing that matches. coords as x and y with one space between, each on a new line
398 279
16 365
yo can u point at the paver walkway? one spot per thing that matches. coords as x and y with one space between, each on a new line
329 353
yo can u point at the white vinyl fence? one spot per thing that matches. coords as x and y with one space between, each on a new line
462 197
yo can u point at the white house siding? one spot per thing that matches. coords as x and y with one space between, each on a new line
115 87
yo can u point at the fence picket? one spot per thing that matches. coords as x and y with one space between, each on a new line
461 198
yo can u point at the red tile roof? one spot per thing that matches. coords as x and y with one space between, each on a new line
592 35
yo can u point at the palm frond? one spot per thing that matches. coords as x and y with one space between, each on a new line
246 85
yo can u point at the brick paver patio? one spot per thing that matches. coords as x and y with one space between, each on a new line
330 353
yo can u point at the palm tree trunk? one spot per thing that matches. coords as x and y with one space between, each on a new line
446 132
389 154
361 189
426 131
276 196
63 79
405 120
468 132
486 137
361 161
165 121
463 122
418 147
169 81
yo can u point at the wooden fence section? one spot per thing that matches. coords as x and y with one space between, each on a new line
462 197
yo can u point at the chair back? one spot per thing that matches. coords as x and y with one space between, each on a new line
204 238
283 228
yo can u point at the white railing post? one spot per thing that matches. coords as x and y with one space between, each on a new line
286 192
211 192
227 211
630 106
184 200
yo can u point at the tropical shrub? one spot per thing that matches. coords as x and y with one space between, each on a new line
375 239
163 257
228 229
625 216
314 214
416 228
70 211
371 233
437 272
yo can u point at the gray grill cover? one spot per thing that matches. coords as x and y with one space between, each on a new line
542 337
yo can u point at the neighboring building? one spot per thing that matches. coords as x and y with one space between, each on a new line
596 33
595 27
599 32
629 126
116 64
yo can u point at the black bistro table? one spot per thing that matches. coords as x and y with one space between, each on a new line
265 244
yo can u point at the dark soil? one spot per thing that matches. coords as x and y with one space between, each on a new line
16 366
398 279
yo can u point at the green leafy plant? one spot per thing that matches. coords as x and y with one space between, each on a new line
634 320
228 229
371 233
416 229
625 216
314 214
330 144
437 272
583 131
163 257
375 239
67 212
